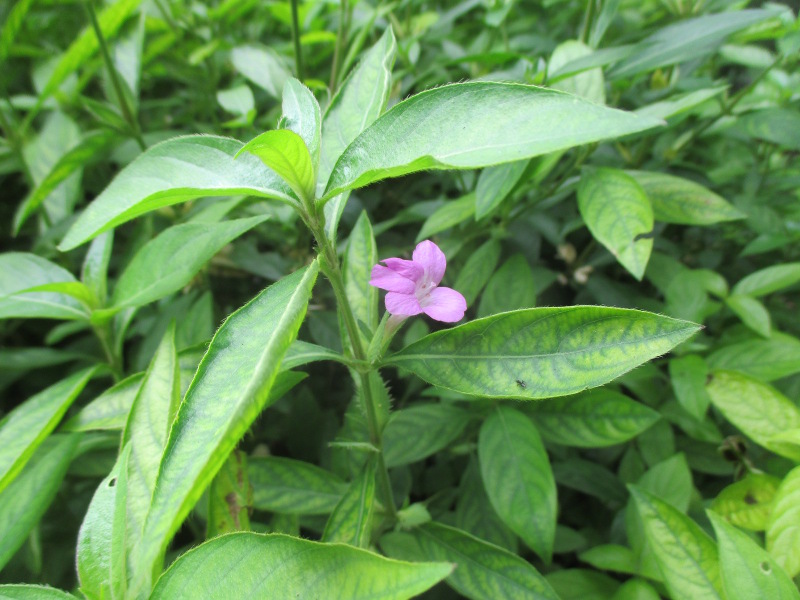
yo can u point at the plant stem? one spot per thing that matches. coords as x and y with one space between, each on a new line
298 52
332 270
104 335
341 37
127 113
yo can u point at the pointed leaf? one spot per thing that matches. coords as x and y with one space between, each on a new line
417 432
495 184
285 152
541 352
769 280
351 520
360 255
32 592
21 271
301 114
291 486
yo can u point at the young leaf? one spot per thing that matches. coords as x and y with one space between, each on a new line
351 521
783 528
592 419
27 498
21 271
420 431
293 487
678 200
285 152
102 541
301 114
617 212
686 555
446 128
518 478
360 255
240 365
175 171
748 571
541 352
27 426
769 280
764 415
168 262
748 502
244 565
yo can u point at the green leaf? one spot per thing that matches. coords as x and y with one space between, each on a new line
168 262
285 152
588 84
448 215
774 358
783 528
518 478
769 280
765 413
495 184
27 498
636 589
351 520
445 128
230 497
75 158
244 565
26 427
360 100
611 557
293 487
618 213
748 502
541 352
94 272
582 584
175 171
686 555
20 271
686 40
688 377
301 114
301 353
262 66
11 27
670 481
474 512
109 411
360 255
102 542
240 365
772 124
748 571
592 419
590 478
477 270
678 200
420 431
147 427
33 592
511 287
752 313
483 571
678 104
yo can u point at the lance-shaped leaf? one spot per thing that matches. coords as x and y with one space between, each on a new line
101 548
109 410
249 565
783 528
359 257
617 212
301 114
168 262
748 571
20 271
351 520
240 366
291 486
518 478
686 555
420 431
25 427
175 171
285 152
769 280
541 352
472 125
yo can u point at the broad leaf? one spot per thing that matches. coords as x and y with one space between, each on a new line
770 359
301 114
618 213
20 271
249 345
351 520
686 555
417 432
769 280
541 352
783 528
752 313
475 514
511 287
446 128
678 200
588 84
748 571
292 486
27 426
167 263
688 377
262 66
592 419
285 152
245 565
748 502
518 478
175 171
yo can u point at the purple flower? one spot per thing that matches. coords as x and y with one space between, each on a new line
413 285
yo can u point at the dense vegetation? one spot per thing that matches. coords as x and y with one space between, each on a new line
204 396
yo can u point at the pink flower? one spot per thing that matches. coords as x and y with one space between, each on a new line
413 285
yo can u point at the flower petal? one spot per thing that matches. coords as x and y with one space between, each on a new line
432 259
406 305
387 279
444 304
407 268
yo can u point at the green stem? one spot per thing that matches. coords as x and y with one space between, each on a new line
588 19
104 335
298 52
341 37
332 270
15 142
127 113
